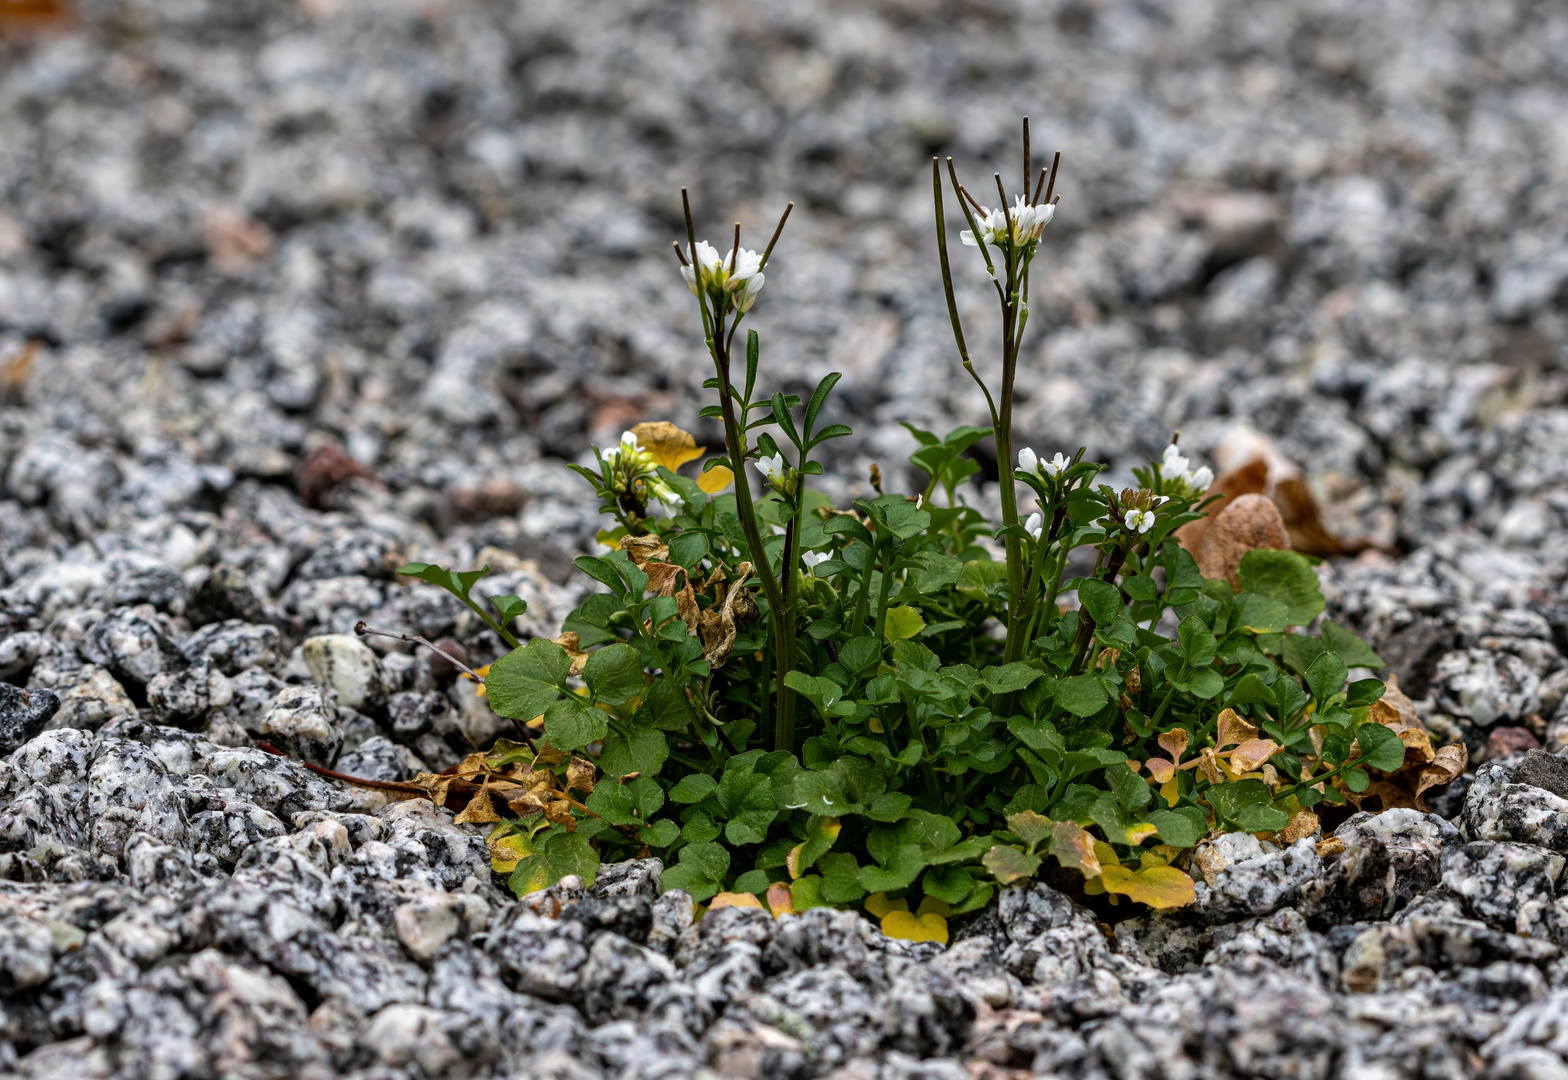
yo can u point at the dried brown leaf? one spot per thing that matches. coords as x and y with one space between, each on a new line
1252 753
580 775
1174 743
1233 729
1304 824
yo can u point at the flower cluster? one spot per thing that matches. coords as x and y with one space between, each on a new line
1177 470
1140 505
737 274
1027 222
1030 462
629 470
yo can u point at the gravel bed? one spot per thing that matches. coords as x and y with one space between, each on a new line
291 293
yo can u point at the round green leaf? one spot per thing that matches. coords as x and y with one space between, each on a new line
614 674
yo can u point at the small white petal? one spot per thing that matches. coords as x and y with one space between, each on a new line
1027 460
1202 479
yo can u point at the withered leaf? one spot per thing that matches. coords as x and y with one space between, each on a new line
1233 729
667 444
1252 753
580 774
1174 743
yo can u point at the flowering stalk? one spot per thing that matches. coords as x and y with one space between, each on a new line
1015 232
725 289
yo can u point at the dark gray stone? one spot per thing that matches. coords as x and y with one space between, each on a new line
1543 770
23 714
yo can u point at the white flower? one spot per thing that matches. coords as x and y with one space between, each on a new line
1023 221
1034 525
920 500
813 559
1140 521
1174 465
1028 461
773 468
708 262
1055 466
739 273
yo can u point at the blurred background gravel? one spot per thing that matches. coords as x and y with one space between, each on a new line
437 234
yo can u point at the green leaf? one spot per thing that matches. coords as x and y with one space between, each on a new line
1102 600
1262 818
1364 692
1356 653
688 549
1289 697
614 803
1141 588
693 788
509 607
1356 780
1249 690
1081 695
1197 643
840 878
748 801
900 873
1206 684
661 834
1326 676
1230 799
527 681
939 573
614 674
570 724
820 836
1287 577
903 622
1009 677
1261 614
1381 748
556 855
601 570
857 654
889 807
700 872
1129 788
824 793
752 881
978 577
949 884
643 753
1177 830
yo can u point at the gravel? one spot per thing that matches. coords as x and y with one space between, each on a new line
292 293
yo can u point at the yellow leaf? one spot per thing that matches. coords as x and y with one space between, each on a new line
907 927
481 672
903 622
1156 886
879 905
1169 791
734 899
716 479
931 905
875 724
1137 834
1105 853
667 444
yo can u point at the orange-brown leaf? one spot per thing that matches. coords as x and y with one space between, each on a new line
1233 729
